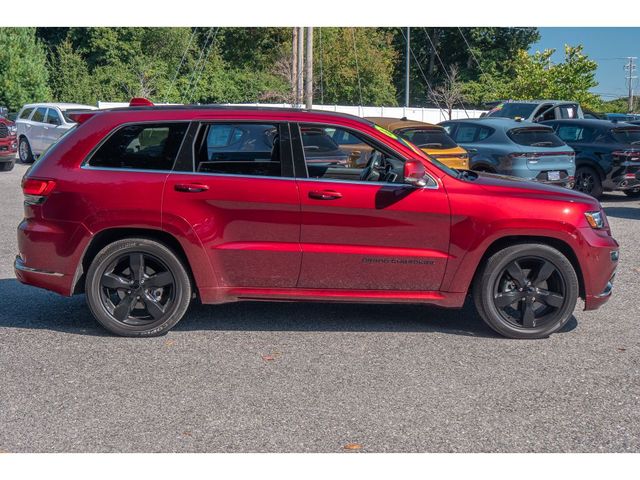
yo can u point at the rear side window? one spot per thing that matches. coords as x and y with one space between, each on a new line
535 137
428 137
53 118
25 113
471 133
629 136
575 133
143 147
239 149
39 115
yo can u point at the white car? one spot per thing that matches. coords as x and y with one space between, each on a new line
39 125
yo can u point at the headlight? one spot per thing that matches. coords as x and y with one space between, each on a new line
595 219
13 129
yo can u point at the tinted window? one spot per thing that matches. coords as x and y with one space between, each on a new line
326 159
465 134
512 110
428 137
145 146
53 118
535 137
39 115
627 135
342 137
25 113
575 133
239 149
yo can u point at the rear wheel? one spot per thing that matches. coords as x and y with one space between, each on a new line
137 287
588 181
526 291
24 151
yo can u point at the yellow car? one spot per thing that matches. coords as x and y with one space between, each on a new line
432 139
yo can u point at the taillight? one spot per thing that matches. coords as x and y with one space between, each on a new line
627 156
35 190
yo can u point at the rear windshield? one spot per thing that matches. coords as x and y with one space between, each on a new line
535 137
512 110
629 136
434 138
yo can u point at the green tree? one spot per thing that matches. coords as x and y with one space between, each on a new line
69 75
23 68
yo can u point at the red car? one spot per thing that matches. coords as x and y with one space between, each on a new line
8 144
146 208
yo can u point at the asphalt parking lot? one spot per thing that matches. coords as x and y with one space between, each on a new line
278 377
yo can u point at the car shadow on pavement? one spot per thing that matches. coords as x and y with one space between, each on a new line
30 308
628 213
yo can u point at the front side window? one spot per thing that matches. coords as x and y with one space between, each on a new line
239 149
39 114
25 113
141 147
326 160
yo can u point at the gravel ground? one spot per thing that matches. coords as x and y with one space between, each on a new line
284 377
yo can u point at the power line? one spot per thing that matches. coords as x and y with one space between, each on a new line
197 65
470 50
184 55
424 76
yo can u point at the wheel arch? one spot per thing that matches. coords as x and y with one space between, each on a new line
110 235
511 240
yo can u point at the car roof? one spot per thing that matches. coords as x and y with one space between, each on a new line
395 123
62 105
498 122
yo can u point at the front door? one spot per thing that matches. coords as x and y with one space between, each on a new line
237 192
364 229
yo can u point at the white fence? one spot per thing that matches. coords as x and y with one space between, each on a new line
429 115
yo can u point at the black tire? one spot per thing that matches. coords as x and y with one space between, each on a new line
539 307
137 287
6 166
24 151
633 193
587 180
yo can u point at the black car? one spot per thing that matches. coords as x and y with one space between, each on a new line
607 154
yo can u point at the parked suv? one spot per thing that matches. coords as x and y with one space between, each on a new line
39 125
607 155
8 144
520 149
135 209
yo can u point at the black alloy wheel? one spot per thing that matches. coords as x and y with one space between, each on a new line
137 287
588 181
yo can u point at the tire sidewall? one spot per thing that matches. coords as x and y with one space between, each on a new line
121 247
494 268
596 191
29 156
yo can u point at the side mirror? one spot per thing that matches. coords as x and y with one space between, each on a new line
414 173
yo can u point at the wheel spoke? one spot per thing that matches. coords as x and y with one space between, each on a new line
111 280
161 279
122 310
550 298
517 274
153 307
136 265
544 273
507 298
528 315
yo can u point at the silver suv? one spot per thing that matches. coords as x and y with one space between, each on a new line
40 124
536 110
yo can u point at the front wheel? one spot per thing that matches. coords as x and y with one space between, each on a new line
137 287
526 291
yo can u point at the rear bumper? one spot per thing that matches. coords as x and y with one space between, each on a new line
54 281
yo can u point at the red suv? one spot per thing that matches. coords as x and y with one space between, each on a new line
8 144
146 208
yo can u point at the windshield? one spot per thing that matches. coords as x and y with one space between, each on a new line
512 110
629 136
406 143
433 138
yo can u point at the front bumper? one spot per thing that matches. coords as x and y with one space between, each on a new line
599 260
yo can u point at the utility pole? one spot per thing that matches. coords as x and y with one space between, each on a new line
630 68
294 65
406 75
300 85
308 71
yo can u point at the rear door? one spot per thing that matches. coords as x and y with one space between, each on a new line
35 130
233 185
53 128
364 229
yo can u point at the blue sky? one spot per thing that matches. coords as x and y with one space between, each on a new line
604 45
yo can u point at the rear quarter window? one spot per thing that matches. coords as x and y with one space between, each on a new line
535 137
141 147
